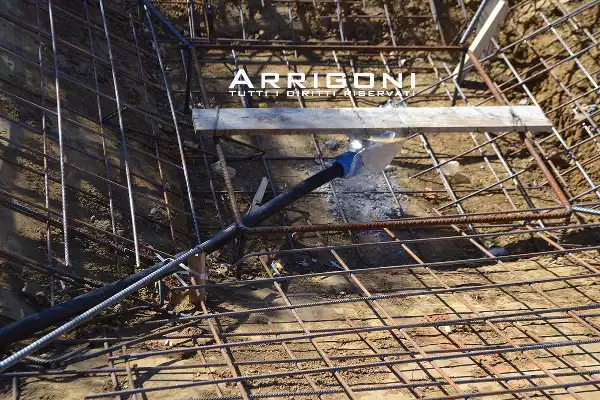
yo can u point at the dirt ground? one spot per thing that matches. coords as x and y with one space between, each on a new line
407 310
358 201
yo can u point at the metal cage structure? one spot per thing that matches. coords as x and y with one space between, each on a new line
417 283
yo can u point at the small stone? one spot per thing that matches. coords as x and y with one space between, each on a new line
523 102
93 218
450 168
331 144
154 211
389 168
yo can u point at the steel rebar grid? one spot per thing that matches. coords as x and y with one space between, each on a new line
438 327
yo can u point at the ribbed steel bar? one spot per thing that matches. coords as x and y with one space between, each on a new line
61 149
177 134
45 150
413 222
126 159
153 131
104 152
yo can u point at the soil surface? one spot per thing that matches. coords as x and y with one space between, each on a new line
94 153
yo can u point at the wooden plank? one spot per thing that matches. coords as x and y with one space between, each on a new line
488 28
359 121
488 10
197 263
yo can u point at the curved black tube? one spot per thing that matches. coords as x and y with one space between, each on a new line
27 327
